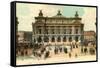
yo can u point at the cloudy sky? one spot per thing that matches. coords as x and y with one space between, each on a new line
26 13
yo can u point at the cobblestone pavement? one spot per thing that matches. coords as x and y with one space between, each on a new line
76 56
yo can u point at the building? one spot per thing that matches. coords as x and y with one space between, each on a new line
24 46
89 36
57 29
24 36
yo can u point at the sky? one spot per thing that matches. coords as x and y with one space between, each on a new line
26 13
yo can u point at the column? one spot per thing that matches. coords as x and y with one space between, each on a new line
42 39
80 30
79 38
61 32
73 32
55 39
73 38
36 39
61 39
73 29
54 30
41 30
49 39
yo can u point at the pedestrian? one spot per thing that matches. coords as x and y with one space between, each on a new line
85 50
42 51
55 50
47 54
69 55
65 50
82 50
75 55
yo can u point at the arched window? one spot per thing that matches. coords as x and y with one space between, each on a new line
53 39
39 31
76 31
64 39
39 39
34 40
59 39
46 39
76 38
70 39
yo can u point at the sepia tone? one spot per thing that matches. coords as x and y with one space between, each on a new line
55 39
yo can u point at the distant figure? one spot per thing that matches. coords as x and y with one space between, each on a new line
47 54
76 46
92 51
69 55
85 50
39 55
56 51
42 51
82 50
65 50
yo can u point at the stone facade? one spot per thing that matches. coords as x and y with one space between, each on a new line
57 29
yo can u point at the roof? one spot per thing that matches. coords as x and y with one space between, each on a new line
89 33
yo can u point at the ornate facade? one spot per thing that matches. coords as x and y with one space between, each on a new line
57 29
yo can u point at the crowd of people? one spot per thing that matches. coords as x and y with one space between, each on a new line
43 52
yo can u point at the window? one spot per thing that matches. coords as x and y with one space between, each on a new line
53 39
38 26
58 31
76 31
39 31
70 39
64 31
52 31
64 39
70 31
39 39
47 31
76 38
59 39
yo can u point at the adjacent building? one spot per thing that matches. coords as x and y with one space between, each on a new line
24 44
89 36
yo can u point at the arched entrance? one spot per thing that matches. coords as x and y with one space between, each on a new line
53 39
76 38
59 39
39 39
64 39
70 39
46 39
